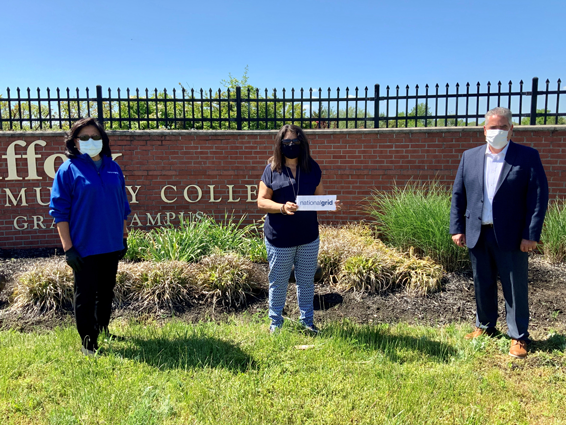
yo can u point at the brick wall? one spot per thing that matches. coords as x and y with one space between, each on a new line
173 173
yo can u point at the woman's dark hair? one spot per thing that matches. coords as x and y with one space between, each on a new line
277 161
72 151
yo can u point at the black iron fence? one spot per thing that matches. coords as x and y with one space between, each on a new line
249 108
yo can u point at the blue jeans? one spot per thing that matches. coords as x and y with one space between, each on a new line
281 261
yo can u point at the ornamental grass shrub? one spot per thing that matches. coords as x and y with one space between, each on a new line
197 236
554 232
339 243
46 287
153 287
228 278
353 259
417 217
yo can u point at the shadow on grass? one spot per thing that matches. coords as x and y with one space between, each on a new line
554 342
188 352
398 348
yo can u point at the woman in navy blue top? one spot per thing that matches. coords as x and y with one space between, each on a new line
291 235
90 207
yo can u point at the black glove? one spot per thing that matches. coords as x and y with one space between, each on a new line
122 254
74 259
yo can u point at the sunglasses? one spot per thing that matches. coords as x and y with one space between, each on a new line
86 137
290 142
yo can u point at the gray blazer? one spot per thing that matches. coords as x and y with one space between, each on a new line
520 200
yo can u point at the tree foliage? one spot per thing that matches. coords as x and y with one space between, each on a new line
188 108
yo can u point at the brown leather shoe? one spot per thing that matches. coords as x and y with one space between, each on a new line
518 348
479 332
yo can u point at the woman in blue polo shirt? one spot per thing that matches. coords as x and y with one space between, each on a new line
291 236
90 208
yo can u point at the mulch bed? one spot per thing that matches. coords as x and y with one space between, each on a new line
454 303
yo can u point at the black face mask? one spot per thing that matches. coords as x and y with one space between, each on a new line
291 152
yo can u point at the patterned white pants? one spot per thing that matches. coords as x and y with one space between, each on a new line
281 261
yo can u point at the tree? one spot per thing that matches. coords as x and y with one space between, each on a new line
550 120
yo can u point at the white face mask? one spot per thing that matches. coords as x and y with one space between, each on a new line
497 139
90 147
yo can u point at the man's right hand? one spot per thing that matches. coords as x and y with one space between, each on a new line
74 260
459 239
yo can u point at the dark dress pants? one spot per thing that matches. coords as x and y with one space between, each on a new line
512 266
94 292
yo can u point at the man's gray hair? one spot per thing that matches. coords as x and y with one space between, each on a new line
501 112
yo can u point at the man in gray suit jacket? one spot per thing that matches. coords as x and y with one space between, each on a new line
499 202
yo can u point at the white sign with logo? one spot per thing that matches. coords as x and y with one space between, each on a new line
316 203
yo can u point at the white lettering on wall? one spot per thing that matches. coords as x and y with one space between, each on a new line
153 222
134 194
170 216
252 189
135 221
10 196
230 194
11 157
211 188
38 196
186 195
49 166
22 226
38 221
163 194
31 157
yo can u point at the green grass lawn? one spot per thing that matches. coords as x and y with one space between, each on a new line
237 373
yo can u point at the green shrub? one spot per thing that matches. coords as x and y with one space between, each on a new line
196 237
365 274
353 259
554 232
46 287
420 276
154 286
137 245
417 216
339 243
228 278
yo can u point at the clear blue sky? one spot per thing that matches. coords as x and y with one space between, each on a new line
306 43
